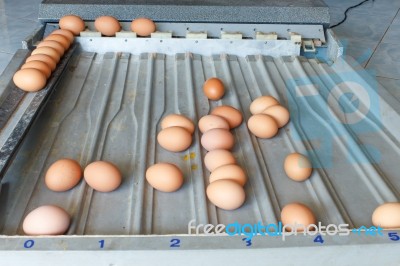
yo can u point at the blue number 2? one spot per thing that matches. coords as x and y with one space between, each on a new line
394 236
175 243
319 239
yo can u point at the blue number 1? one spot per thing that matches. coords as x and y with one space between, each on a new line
101 243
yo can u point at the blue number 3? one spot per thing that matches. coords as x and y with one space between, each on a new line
248 242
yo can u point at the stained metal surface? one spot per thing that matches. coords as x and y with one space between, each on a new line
109 106
18 109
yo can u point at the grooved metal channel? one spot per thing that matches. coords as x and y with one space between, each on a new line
109 107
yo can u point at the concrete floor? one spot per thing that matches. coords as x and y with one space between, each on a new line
371 34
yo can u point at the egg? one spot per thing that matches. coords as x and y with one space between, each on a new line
44 58
262 103
216 139
226 194
164 177
30 79
48 51
61 39
231 171
230 114
107 25
72 23
217 158
279 113
39 65
212 121
66 33
177 120
143 26
297 167
46 220
53 44
214 89
174 139
102 176
297 213
262 126
63 175
387 215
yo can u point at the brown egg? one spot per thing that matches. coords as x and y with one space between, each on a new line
279 113
66 33
262 126
61 39
297 213
46 220
72 23
174 139
217 139
107 25
262 103
63 175
387 215
53 44
213 88
217 158
102 176
30 79
44 58
176 120
297 167
143 26
165 177
230 114
48 51
231 171
212 121
226 194
39 65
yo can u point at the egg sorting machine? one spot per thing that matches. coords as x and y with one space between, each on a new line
106 99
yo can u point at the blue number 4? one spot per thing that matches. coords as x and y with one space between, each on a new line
319 239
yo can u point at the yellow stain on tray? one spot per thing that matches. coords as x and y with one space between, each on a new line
194 167
192 155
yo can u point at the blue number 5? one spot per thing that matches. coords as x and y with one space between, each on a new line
394 236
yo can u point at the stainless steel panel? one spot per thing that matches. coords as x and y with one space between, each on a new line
109 106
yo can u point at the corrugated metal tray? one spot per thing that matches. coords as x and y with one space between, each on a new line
108 106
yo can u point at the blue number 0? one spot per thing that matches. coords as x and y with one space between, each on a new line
394 236
175 243
29 243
